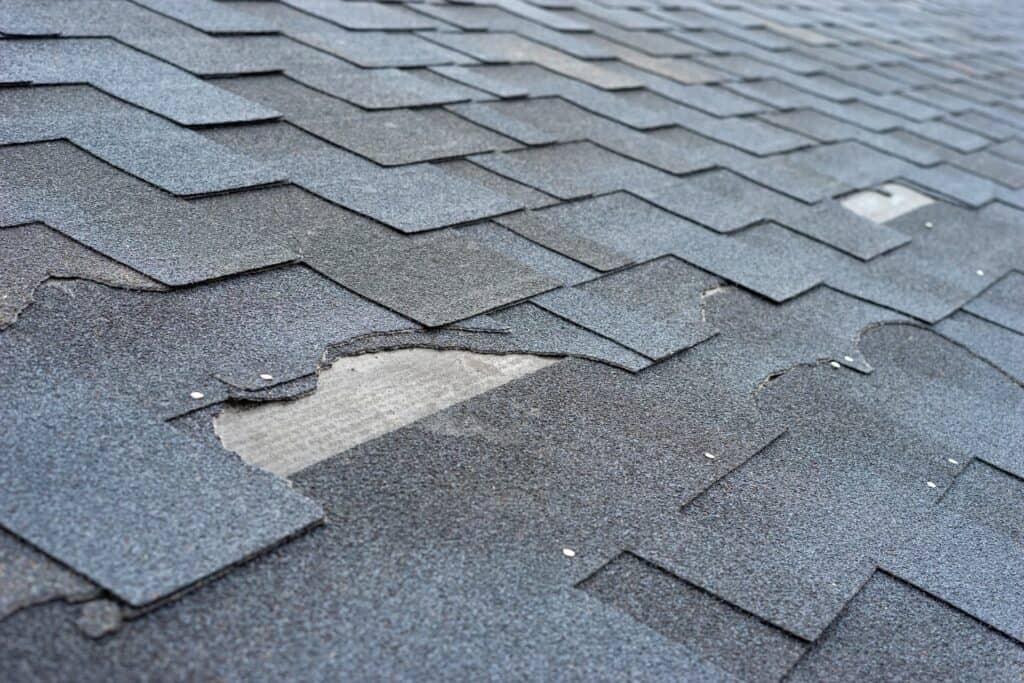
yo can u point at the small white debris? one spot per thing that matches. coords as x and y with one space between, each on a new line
848 359
951 461
568 552
709 456
932 484
835 364
266 377
197 395
980 272
929 224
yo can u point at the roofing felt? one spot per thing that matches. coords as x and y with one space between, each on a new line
777 430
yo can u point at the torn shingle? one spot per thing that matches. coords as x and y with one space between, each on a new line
208 203
361 397
28 577
524 328
33 253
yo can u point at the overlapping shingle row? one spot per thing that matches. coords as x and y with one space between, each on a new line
237 192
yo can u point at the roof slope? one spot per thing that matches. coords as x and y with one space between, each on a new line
774 254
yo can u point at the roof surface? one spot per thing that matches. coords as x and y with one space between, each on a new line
748 275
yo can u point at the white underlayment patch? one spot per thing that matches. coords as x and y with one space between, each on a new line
360 398
888 202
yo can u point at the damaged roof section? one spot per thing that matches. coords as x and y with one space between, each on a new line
655 338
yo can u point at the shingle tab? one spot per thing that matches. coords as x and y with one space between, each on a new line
138 78
409 198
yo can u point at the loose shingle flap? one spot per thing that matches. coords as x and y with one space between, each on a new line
32 253
90 465
795 560
133 505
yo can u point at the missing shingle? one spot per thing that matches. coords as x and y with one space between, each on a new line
360 398
888 202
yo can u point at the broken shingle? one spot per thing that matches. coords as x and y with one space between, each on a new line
33 253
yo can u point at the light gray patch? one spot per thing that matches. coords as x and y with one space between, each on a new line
99 618
359 398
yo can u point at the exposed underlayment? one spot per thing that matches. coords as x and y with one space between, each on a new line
888 202
511 339
359 398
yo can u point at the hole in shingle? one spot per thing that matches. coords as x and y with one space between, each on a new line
360 398
886 203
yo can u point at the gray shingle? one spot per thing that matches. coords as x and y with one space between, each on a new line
390 138
1002 303
137 78
573 170
609 307
409 198
137 142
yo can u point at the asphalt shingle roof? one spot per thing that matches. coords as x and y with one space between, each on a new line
782 439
